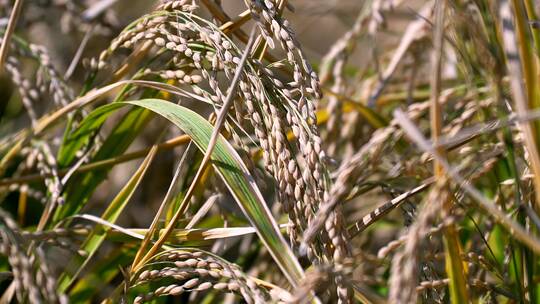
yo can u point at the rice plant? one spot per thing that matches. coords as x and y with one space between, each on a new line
200 151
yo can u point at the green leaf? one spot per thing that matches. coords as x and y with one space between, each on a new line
80 188
111 214
235 175
79 137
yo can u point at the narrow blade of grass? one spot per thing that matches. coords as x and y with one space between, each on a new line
237 179
455 268
111 214
81 188
234 174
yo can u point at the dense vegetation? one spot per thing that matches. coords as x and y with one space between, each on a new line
195 153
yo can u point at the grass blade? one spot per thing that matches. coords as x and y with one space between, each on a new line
237 178
234 174
111 214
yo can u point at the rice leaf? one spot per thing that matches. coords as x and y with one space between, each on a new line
111 214
234 174
81 188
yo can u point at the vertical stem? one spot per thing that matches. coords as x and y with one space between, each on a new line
9 32
521 64
530 52
532 16
455 268
528 59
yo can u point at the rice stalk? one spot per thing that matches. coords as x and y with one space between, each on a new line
456 270
269 183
